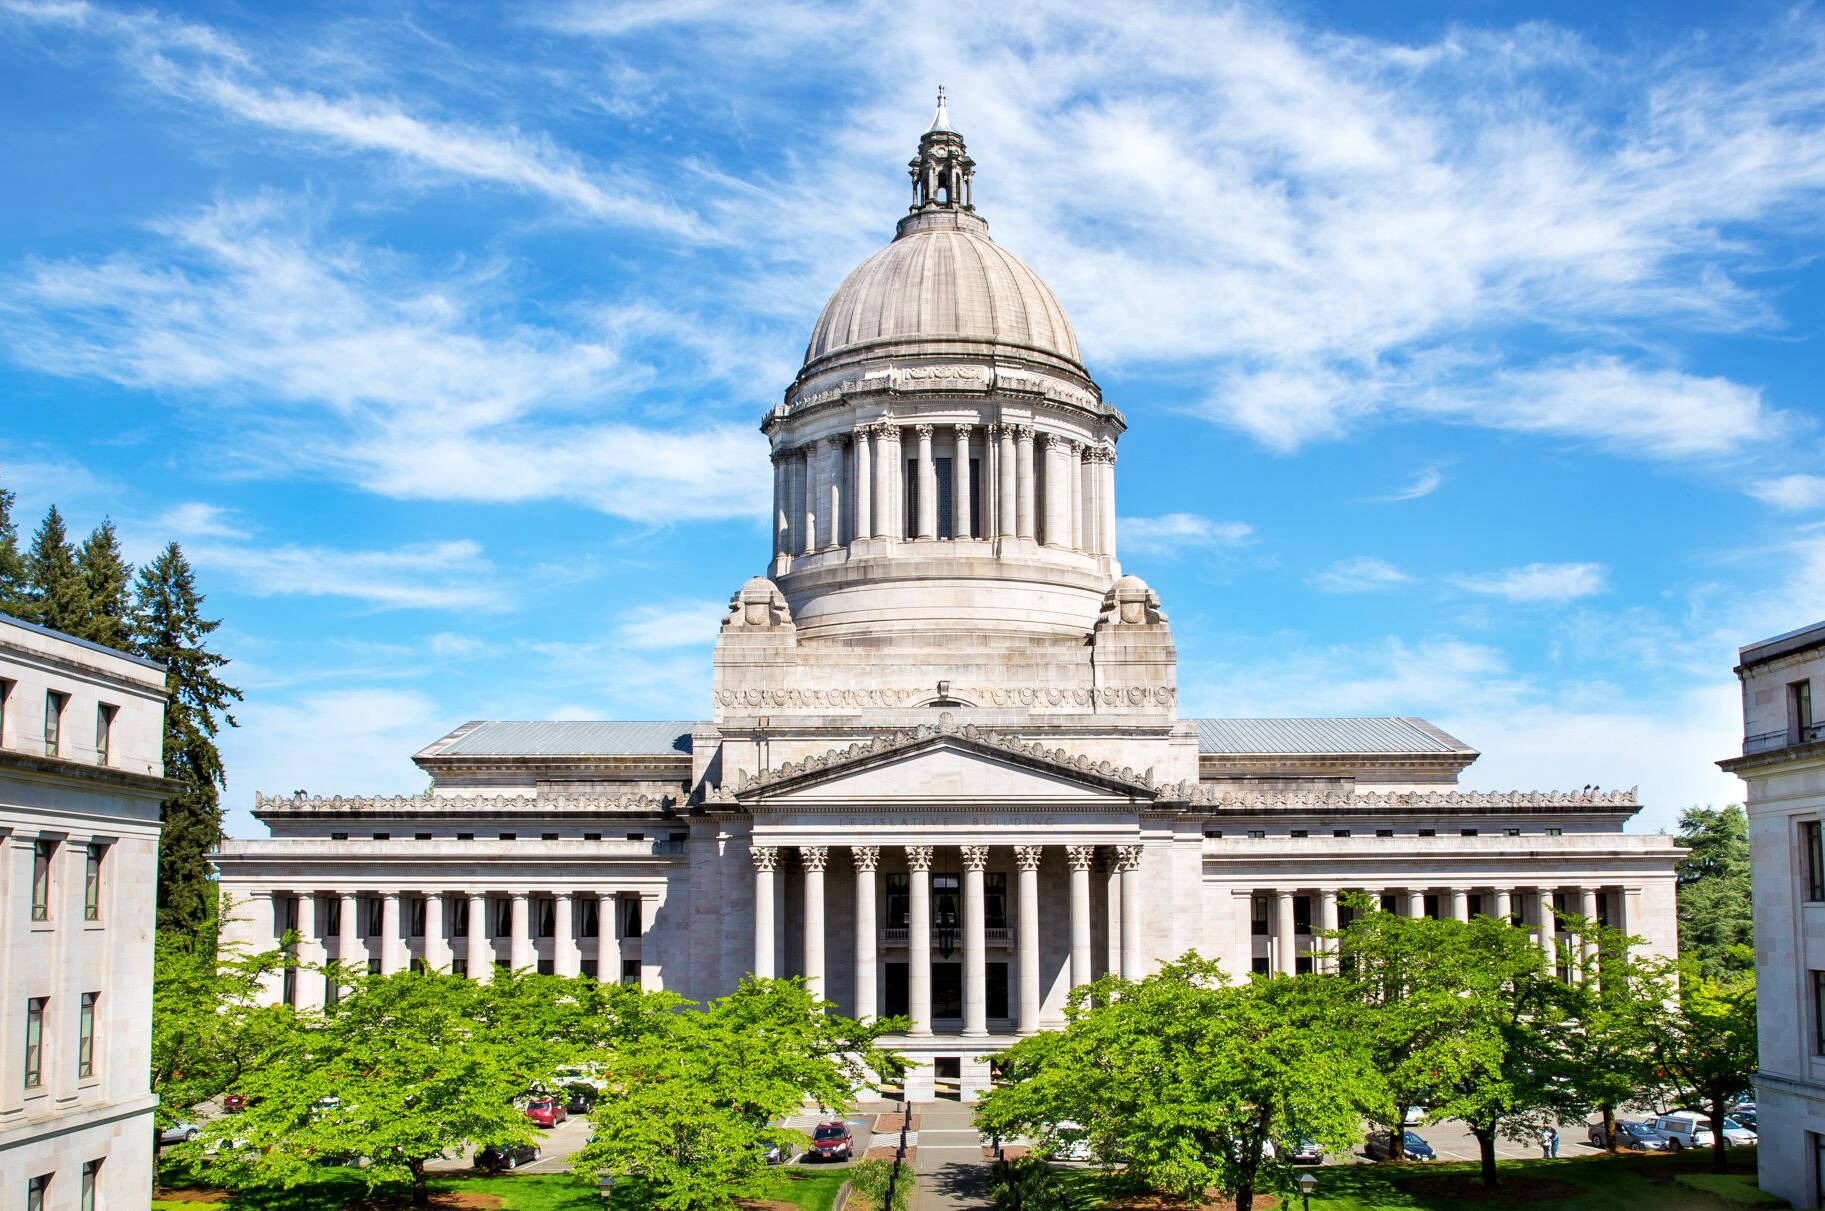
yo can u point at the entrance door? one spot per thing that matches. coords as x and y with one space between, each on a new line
897 1001
947 990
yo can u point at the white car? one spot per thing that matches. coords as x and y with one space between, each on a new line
1067 1141
179 1133
1684 1129
1736 1134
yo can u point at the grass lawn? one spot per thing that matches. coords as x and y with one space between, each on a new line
1593 1183
813 1191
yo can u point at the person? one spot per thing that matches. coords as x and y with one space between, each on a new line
1546 1143
1553 1133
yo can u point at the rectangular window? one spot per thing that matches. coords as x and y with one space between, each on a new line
85 1035
459 967
332 916
34 1041
339 836
465 836
1428 832
592 836
1340 832
994 901
421 836
977 513
545 917
910 494
630 917
503 918
1799 712
42 853
996 994
376 912
35 1191
1257 921
383 836
1511 832
1384 832
548 967
589 917
1302 914
1818 1013
1555 832
946 498
416 912
288 914
91 1171
374 965
636 836
91 883
1259 965
6 698
947 990
895 999
899 901
53 721
288 987
104 731
459 917
509 836
1466 832
1812 844
1474 904
630 971
332 992
1299 832
1257 834
548 836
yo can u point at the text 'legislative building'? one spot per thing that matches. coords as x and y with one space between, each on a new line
945 775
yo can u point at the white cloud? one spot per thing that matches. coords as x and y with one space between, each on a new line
435 575
195 519
672 624
1392 676
1556 582
1365 574
1173 533
1793 493
1424 484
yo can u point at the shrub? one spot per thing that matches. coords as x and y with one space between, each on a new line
869 1180
1027 1184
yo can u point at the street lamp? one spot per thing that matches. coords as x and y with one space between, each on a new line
1307 1184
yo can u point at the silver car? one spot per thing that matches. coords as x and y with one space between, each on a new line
179 1133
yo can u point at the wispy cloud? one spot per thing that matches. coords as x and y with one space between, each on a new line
196 519
1794 493
1174 533
1554 582
438 576
1365 574
672 624
1424 484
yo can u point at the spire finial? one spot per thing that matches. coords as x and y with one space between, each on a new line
941 172
942 119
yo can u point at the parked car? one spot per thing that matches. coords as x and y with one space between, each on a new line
1632 1136
1745 1116
233 1103
1415 1114
1067 1141
1683 1129
1304 1151
179 1133
497 1157
580 1098
1736 1132
1380 1146
774 1154
546 1111
832 1141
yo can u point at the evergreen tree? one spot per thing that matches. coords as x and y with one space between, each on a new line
108 578
1716 919
58 597
171 629
12 564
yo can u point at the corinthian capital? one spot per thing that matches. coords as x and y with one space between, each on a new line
1079 857
867 857
1023 433
975 857
1128 858
919 857
1026 857
924 432
813 857
766 857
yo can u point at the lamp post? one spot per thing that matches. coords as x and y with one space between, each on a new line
1307 1184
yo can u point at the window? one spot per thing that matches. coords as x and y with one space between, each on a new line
1257 834
544 918
1384 832
1340 832
85 1035
548 836
91 883
332 992
332 916
588 968
592 836
509 836
374 965
6 696
548 967
421 836
416 912
288 987
383 836
503 918
1257 922
288 913
104 731
34 1041
1555 832
459 917
636 836
996 991
630 970
1299 832
1466 832
1428 832
1430 907
339 836
1810 844
42 852
1818 1013
90 1171
1302 914
53 721
1214 834
589 916
630 917
465 836
899 900
459 967
34 1192
376 916
1511 832
1799 712
995 903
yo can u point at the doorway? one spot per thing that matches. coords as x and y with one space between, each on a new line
947 1077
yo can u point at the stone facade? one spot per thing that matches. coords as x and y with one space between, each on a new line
81 733
944 775
1783 767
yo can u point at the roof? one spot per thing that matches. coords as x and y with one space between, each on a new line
1395 734
1783 645
134 657
568 738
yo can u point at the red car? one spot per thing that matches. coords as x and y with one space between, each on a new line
832 1141
546 1111
234 1103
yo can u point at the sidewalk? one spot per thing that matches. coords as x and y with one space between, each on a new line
951 1171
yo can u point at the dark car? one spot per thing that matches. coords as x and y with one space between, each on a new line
581 1100
497 1157
832 1141
1631 1136
1380 1147
546 1111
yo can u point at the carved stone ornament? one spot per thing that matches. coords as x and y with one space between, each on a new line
1026 857
1023 433
461 805
813 857
924 432
963 431
975 857
766 857
1079 857
918 857
1155 696
758 603
867 857
1128 858
1129 602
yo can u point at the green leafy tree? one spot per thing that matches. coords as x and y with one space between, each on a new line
107 579
1188 1077
1706 1045
694 1099
404 1069
1615 1016
57 596
170 628
12 563
1716 915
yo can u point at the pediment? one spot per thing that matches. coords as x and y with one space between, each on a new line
943 763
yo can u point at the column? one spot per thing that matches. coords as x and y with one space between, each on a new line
1129 858
1007 505
960 486
812 859
1631 913
1112 908
919 938
1587 938
1504 905
1416 902
782 507
1327 920
864 482
1286 946
1549 927
766 860
1374 894
830 493
347 925
867 962
1086 519
1079 857
1106 469
479 966
649 957
1057 504
437 933
608 940
1025 500
565 959
886 477
519 939
1026 940
389 933
928 484
975 943
1460 904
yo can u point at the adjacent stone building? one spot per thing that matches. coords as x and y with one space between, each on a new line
1783 765
944 773
81 776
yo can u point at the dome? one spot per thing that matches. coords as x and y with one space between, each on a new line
943 281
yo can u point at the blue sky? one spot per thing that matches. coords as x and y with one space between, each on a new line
1470 355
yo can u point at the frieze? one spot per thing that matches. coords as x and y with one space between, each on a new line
1158 696
1221 797
459 804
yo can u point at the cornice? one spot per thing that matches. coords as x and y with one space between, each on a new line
63 768
394 806
1224 799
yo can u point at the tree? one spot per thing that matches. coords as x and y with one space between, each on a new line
1188 1077
170 628
1716 914
1706 1045
1614 1020
107 578
404 1069
695 1096
57 596
12 563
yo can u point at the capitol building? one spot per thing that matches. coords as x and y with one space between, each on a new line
944 774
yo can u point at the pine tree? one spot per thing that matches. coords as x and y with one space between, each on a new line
12 564
170 627
108 577
58 597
